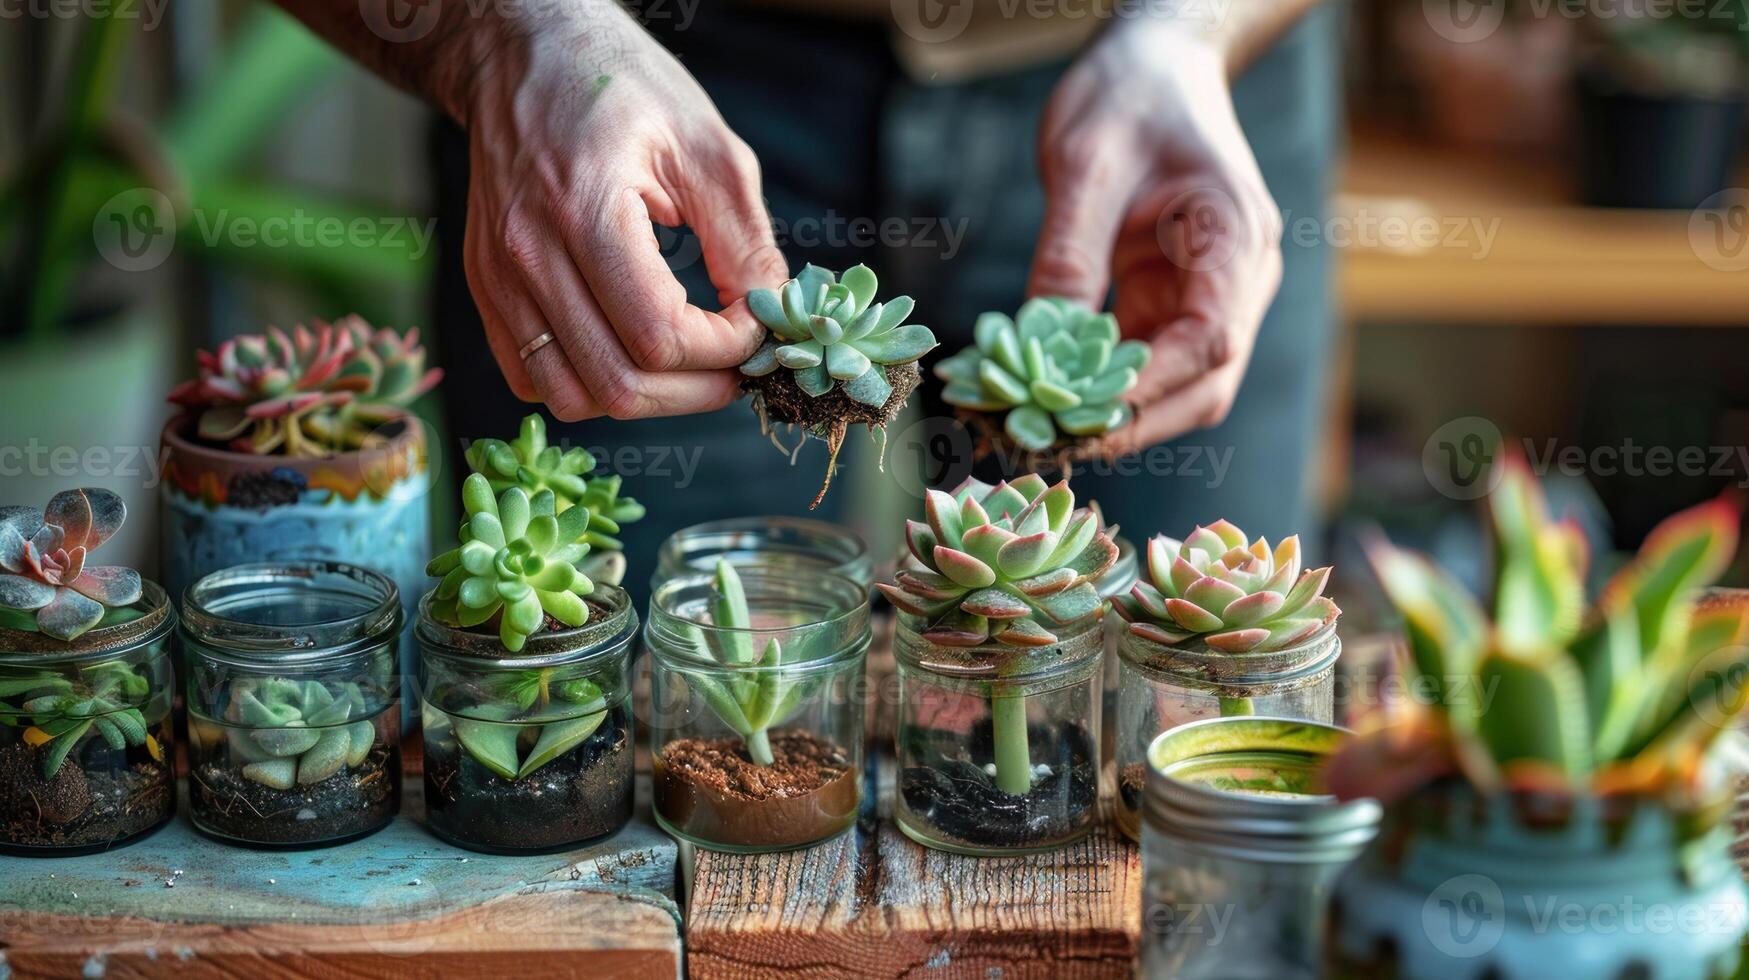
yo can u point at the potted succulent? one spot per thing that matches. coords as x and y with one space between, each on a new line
85 692
299 445
1050 381
293 696
834 357
1223 625
530 463
525 680
1559 777
755 678
999 647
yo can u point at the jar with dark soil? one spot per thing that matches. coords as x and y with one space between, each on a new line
86 760
762 751
293 703
531 751
998 746
1161 687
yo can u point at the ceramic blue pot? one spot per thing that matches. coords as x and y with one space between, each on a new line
1465 889
219 509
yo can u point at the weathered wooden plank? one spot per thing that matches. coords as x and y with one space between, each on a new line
374 907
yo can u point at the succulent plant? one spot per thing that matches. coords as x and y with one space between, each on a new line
63 712
1059 373
296 733
528 462
47 584
308 392
1235 594
519 561
1623 698
827 335
527 719
1001 562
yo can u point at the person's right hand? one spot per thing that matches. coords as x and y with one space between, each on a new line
583 131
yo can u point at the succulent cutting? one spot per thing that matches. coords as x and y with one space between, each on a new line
1003 564
1057 372
530 463
62 712
47 584
527 719
1621 698
520 562
297 733
834 356
309 392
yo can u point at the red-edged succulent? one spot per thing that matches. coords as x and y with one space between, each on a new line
1234 594
48 583
1002 563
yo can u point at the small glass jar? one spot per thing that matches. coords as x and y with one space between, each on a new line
759 756
86 758
1117 581
1162 687
1240 849
531 751
998 746
793 543
293 694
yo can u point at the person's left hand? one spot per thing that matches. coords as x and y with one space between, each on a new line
1150 184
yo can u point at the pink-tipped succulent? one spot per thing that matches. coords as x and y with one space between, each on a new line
1234 594
1000 563
394 363
47 582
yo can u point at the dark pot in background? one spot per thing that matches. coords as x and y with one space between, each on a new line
1640 150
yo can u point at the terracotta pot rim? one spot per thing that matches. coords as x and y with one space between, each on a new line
176 439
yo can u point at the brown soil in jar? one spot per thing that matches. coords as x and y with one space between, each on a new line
81 809
349 804
710 790
1132 780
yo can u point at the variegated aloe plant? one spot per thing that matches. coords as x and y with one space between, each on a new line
1625 696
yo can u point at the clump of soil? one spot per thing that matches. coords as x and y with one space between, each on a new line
579 796
710 791
278 487
777 398
1131 781
990 441
113 797
957 799
347 805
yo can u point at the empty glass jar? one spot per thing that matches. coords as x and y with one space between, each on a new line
294 722
1161 687
792 543
757 732
86 760
530 751
998 746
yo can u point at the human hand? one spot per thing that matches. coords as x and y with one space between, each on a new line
1151 184
583 131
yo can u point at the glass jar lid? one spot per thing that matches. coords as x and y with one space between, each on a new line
290 612
612 624
146 622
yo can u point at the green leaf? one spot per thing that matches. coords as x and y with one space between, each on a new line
1534 710
1030 428
326 758
845 362
491 743
729 611
277 773
56 751
560 737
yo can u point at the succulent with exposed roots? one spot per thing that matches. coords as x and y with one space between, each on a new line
834 356
48 584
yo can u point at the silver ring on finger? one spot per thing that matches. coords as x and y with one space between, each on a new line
535 344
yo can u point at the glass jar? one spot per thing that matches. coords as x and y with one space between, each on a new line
1117 581
531 751
765 755
86 757
793 543
1240 849
1162 687
293 694
998 746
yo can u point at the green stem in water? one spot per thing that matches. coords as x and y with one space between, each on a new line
1237 707
1008 733
759 747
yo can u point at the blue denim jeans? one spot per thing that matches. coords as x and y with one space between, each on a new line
936 188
